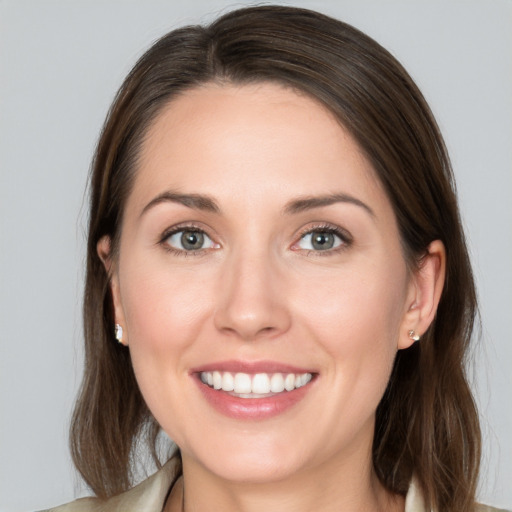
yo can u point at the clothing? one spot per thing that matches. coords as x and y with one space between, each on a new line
150 496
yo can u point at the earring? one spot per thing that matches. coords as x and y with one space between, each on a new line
414 336
118 330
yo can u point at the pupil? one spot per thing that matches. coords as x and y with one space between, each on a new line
322 240
192 240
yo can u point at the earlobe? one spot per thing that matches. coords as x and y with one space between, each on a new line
426 288
104 250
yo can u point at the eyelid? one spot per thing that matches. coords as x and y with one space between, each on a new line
343 234
186 226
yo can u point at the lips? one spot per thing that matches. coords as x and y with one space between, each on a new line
253 391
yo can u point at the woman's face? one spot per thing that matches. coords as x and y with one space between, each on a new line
260 255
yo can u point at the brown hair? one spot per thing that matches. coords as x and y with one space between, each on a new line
426 424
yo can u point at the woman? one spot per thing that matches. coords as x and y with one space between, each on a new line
275 245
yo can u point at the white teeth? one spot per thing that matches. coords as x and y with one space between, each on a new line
217 380
261 383
302 380
277 383
228 382
289 382
242 383
247 385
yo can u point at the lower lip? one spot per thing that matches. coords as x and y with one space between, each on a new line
252 408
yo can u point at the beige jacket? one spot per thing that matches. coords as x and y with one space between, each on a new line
150 496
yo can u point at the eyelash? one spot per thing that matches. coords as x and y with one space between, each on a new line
344 236
177 229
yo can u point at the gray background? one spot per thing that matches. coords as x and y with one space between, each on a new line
60 64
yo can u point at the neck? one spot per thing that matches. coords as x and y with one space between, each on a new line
333 487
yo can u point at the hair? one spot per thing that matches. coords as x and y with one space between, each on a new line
426 423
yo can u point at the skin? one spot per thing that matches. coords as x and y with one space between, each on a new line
260 291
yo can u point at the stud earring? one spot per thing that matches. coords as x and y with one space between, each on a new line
118 330
414 336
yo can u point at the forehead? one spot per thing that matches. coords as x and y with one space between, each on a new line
258 142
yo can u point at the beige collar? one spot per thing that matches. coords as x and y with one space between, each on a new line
150 496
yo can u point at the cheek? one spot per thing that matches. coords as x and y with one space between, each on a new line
161 307
165 313
366 302
356 317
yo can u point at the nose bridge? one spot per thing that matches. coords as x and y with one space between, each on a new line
251 302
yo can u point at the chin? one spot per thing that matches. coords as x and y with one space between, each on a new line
250 460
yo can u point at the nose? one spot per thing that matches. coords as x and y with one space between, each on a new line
252 301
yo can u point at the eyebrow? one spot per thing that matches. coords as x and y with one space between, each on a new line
311 202
195 201
208 204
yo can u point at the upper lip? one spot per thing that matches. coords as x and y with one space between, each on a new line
251 367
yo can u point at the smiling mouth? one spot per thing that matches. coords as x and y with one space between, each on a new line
258 385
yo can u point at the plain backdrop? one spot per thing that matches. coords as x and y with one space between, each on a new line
61 62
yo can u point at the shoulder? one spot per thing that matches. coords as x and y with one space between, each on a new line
414 501
148 496
487 508
82 505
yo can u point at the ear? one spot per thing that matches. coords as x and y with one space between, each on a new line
104 250
424 292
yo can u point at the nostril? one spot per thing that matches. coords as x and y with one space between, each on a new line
248 333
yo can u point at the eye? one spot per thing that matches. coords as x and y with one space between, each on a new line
189 240
322 239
